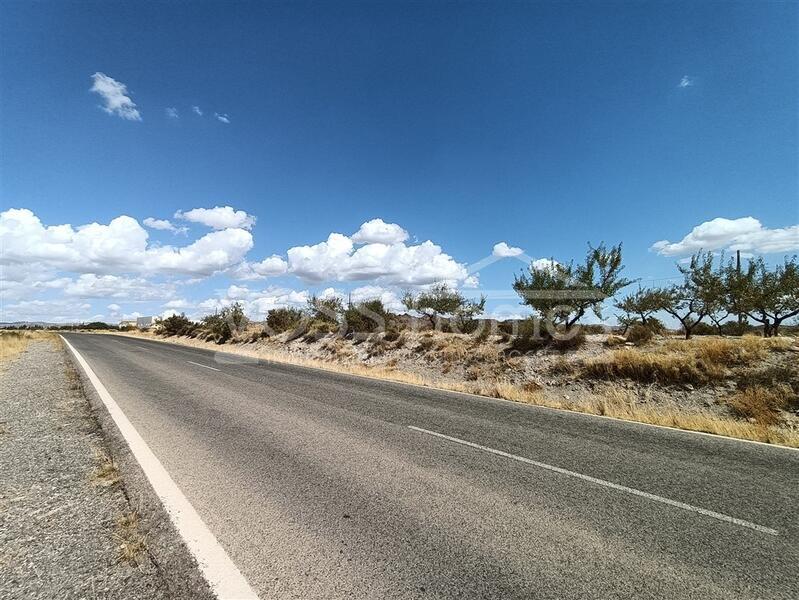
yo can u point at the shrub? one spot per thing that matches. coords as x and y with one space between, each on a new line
174 325
216 329
279 320
704 329
573 342
532 338
327 310
98 325
318 329
640 334
367 317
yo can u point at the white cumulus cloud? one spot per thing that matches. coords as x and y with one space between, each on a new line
90 285
222 117
163 225
172 112
197 110
337 259
121 246
218 217
685 82
378 231
502 250
115 97
746 234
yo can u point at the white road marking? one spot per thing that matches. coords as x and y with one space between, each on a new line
191 362
222 575
602 482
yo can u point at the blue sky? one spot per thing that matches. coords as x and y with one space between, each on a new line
542 125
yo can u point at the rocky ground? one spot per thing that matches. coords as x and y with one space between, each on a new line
67 528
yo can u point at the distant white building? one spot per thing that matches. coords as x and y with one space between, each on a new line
127 323
144 322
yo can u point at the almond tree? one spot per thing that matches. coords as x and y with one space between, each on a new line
563 293
441 300
641 304
766 296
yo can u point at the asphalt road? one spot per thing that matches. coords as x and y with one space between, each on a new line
318 487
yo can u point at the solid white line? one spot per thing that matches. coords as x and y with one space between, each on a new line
191 362
609 484
224 578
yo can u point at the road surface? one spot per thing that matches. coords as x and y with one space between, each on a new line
320 485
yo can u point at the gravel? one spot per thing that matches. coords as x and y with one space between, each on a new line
58 524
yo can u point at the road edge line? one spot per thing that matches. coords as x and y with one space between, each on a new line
216 566
566 411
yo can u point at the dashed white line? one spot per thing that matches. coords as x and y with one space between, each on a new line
602 482
222 575
191 362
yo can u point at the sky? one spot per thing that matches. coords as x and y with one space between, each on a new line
159 157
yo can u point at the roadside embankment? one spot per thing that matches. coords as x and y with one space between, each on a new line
745 387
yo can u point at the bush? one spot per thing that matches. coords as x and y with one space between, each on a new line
279 320
98 325
704 329
574 341
655 325
327 310
531 339
174 325
640 334
367 317
317 330
215 329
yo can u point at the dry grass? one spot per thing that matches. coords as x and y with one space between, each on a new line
13 342
762 404
697 362
131 544
106 472
611 402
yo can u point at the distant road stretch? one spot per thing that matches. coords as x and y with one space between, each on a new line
320 485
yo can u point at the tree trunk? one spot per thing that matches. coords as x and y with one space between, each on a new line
766 328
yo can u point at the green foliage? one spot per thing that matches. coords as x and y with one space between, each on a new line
98 325
221 326
440 301
768 296
327 310
279 320
174 325
367 317
638 307
563 293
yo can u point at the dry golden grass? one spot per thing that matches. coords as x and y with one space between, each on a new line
761 404
106 473
697 361
131 544
14 342
610 402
